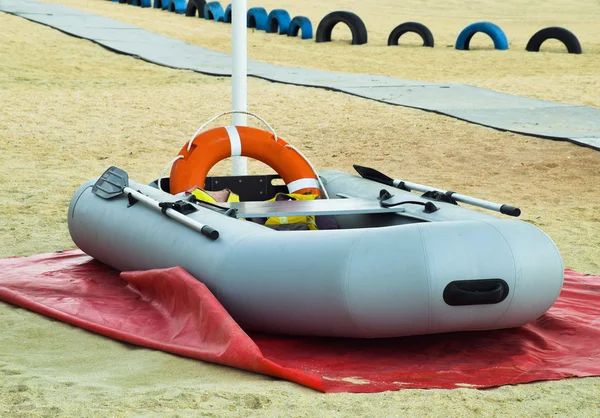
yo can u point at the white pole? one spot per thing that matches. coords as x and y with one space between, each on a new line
239 73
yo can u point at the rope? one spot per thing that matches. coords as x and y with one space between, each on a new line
164 170
229 112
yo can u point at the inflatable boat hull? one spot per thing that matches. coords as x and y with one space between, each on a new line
363 282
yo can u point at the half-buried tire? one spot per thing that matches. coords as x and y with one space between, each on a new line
141 3
355 23
194 6
214 11
177 6
301 24
493 31
567 37
257 18
227 16
278 21
414 27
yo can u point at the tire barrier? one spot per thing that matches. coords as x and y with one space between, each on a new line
214 11
414 27
194 6
141 3
177 6
278 21
493 31
554 32
257 18
356 25
301 24
227 16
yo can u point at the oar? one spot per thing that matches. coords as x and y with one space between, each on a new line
115 182
372 174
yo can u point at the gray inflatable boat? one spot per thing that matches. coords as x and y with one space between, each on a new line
399 264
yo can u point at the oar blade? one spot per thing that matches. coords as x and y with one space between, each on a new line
111 183
372 174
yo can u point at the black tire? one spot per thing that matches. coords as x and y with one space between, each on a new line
415 27
194 6
554 32
355 23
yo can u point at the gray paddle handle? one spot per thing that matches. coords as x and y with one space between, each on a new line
205 230
498 207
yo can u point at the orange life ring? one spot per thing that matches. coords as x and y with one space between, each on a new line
210 147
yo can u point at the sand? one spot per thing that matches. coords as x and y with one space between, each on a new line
71 108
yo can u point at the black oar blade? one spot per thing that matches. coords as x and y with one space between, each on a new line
372 174
111 183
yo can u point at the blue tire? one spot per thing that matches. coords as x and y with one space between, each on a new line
177 6
301 24
278 21
493 31
257 18
142 3
214 11
161 4
227 17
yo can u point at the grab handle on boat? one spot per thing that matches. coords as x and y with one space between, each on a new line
475 292
372 174
115 182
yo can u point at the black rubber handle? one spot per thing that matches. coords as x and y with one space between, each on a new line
475 292
207 231
510 210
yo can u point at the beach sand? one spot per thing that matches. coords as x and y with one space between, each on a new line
71 108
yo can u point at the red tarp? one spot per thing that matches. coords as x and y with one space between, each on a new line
171 311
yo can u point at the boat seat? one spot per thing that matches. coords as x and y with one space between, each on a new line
319 207
247 187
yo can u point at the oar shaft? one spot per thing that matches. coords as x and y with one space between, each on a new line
498 207
173 214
